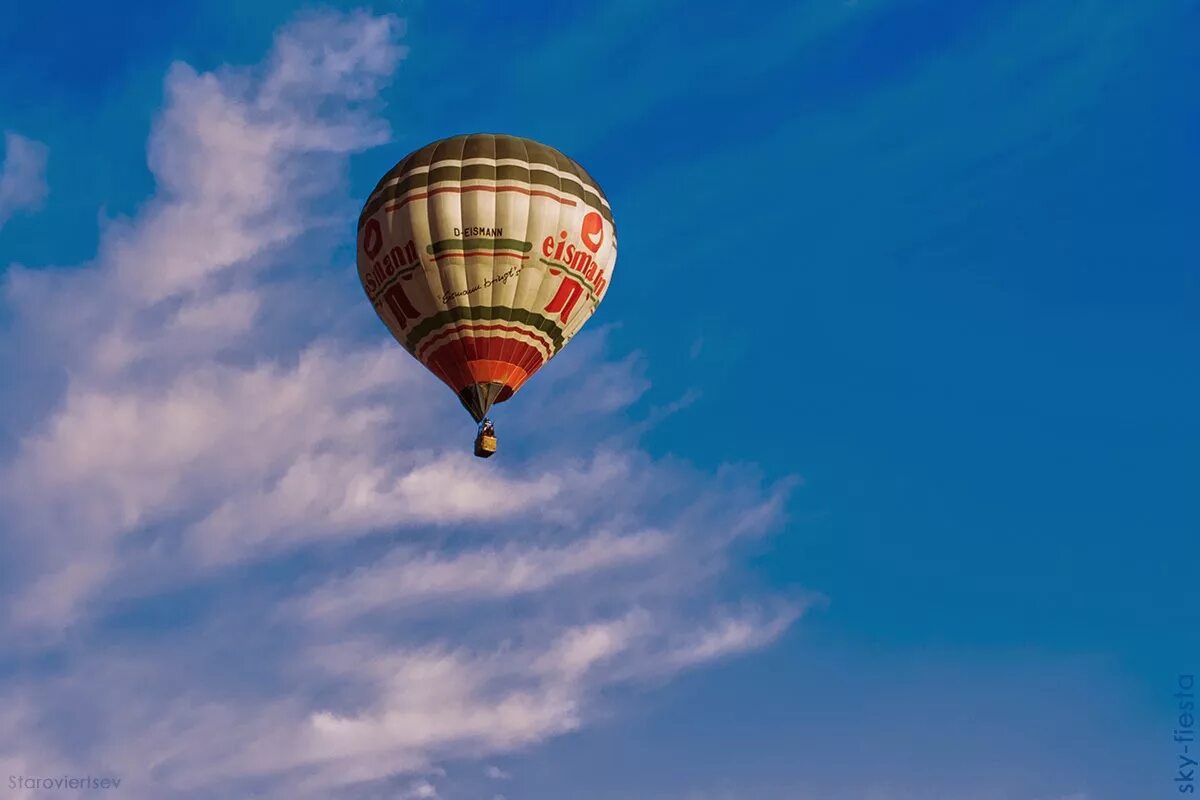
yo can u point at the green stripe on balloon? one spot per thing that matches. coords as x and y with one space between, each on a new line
484 313
530 177
478 244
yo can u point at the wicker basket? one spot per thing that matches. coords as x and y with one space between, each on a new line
485 446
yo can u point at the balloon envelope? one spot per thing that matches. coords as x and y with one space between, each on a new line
484 254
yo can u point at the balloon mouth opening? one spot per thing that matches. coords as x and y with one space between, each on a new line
478 398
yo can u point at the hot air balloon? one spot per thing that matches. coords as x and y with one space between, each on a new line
484 255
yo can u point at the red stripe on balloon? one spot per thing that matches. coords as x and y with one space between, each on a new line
459 254
478 359
425 345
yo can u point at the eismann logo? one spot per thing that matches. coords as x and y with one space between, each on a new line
581 269
575 259
592 231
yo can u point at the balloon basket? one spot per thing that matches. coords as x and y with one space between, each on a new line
485 446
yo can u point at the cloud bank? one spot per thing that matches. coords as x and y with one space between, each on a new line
241 557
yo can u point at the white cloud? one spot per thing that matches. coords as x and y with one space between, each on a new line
369 602
406 578
22 176
419 791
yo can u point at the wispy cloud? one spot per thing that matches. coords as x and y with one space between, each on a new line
22 175
167 388
363 602
405 577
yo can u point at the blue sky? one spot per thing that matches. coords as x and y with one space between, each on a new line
910 516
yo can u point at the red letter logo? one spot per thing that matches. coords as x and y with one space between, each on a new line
592 232
398 303
372 239
564 301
